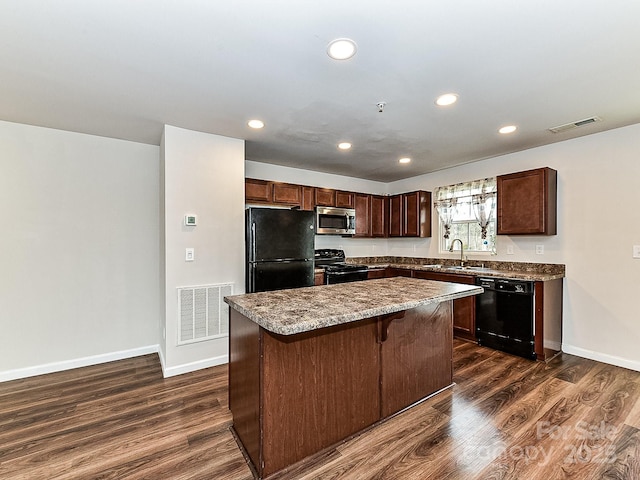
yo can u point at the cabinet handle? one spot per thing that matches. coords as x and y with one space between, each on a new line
383 324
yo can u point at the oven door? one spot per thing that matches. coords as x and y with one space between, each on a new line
346 276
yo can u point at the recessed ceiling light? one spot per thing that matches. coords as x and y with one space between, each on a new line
341 49
344 145
255 123
405 160
508 129
446 99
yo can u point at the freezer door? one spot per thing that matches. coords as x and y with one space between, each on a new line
265 276
279 234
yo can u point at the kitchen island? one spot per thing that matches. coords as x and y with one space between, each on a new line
310 367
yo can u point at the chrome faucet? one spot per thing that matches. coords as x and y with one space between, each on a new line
462 262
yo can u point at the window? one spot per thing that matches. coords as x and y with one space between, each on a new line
467 211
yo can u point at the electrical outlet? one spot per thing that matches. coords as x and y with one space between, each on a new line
539 249
189 255
636 251
509 249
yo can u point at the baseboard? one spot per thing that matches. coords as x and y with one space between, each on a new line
75 363
602 357
193 366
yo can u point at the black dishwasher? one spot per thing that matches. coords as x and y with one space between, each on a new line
504 316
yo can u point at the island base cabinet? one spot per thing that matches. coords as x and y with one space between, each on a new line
293 396
318 388
416 356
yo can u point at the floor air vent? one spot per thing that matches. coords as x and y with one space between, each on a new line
572 125
203 313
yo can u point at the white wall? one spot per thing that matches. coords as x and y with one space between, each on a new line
78 249
597 226
202 174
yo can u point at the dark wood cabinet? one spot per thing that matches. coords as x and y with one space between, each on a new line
308 198
345 199
379 215
272 193
362 204
257 191
293 396
464 309
287 194
410 214
395 215
406 373
398 272
417 214
376 273
527 202
325 197
318 278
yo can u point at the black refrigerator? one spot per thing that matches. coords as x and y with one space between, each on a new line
279 249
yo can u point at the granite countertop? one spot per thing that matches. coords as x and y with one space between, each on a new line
537 272
297 310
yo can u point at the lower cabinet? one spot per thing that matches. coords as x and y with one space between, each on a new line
415 356
377 273
398 272
464 309
318 278
292 396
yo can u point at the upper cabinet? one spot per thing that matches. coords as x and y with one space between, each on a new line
403 215
325 197
379 215
362 203
258 191
527 202
410 214
263 191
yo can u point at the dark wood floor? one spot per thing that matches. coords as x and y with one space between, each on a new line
506 418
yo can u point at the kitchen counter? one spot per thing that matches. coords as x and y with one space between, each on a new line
310 367
298 310
537 272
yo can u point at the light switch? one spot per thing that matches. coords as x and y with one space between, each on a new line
189 254
636 251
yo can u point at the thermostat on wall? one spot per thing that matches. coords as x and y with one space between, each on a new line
190 220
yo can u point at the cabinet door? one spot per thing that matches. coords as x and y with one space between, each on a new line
398 272
415 355
376 273
363 215
464 309
379 216
257 191
395 216
416 219
318 278
345 199
527 202
325 197
287 193
306 375
308 198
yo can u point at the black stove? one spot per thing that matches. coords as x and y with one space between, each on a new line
336 270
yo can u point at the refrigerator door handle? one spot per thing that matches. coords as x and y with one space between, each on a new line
253 242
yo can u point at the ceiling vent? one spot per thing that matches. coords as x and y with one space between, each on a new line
572 125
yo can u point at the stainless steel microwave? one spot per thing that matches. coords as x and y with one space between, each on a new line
335 221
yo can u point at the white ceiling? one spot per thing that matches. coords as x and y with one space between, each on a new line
124 68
